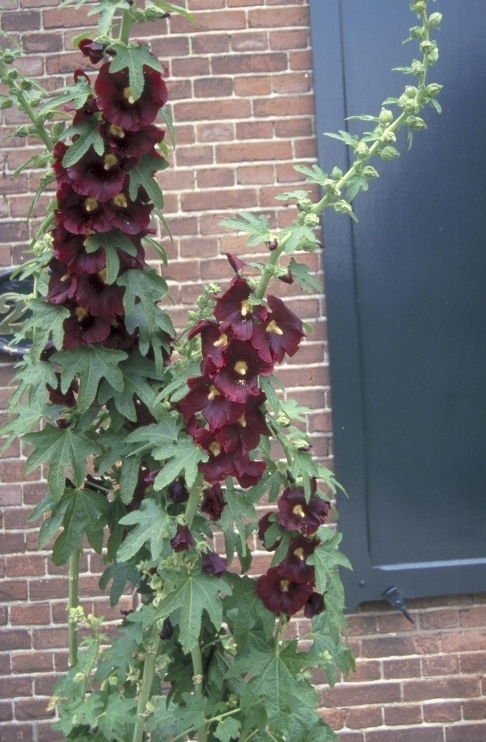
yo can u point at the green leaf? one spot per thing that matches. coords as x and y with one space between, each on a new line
46 323
194 594
32 380
256 226
157 434
78 93
87 136
245 609
305 278
227 729
83 512
90 364
53 523
152 525
301 237
326 558
27 417
239 510
182 461
121 574
169 122
118 714
344 136
133 58
355 185
288 195
136 372
111 242
61 448
148 286
314 174
107 10
142 176
169 8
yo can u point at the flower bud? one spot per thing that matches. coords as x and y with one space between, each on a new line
305 204
337 173
417 32
311 220
417 67
8 57
389 153
427 47
433 56
22 131
361 150
12 75
388 136
433 89
370 172
386 116
416 123
342 207
435 19
411 91
419 6
6 103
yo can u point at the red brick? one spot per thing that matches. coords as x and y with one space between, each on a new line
235 64
268 18
414 734
441 665
361 695
401 715
33 708
26 566
15 639
6 711
475 709
474 616
440 619
13 590
292 38
11 687
250 41
49 638
463 641
466 732
252 86
454 687
473 662
25 615
359 718
25 21
18 733
31 662
442 712
210 44
387 646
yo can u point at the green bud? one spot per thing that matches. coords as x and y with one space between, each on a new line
8 57
342 207
419 6
433 89
427 47
305 204
435 19
22 131
6 103
417 67
416 123
12 75
311 220
370 172
361 150
386 116
411 91
433 56
388 136
417 32
389 153
26 84
337 173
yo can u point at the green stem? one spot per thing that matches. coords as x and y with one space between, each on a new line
147 678
193 501
126 26
25 106
73 603
198 678
268 271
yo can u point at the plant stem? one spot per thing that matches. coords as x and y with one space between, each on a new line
268 269
147 678
125 28
73 603
192 503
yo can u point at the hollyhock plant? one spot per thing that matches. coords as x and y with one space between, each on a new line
160 448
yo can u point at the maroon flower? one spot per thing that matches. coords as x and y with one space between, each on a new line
213 342
314 605
213 564
62 285
263 525
97 297
222 465
115 98
238 379
204 397
120 339
178 491
92 49
56 396
280 594
183 540
281 333
213 502
294 563
296 514
132 217
81 214
101 178
82 328
235 262
244 434
132 144
235 311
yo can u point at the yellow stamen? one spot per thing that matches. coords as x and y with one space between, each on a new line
273 327
242 421
245 307
284 586
110 161
103 275
223 340
90 204
213 392
241 367
80 313
215 448
116 131
120 201
127 93
299 552
297 510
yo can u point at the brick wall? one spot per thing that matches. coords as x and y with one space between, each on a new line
241 90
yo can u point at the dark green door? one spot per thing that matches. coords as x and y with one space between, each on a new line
406 298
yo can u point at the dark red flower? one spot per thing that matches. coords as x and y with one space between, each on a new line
167 630
82 328
251 474
115 98
235 312
280 594
132 144
67 399
314 605
265 522
92 49
281 333
62 285
120 339
294 563
178 491
213 342
213 502
244 434
81 214
102 178
296 514
204 397
238 378
221 465
71 250
213 564
97 297
183 540
235 262
132 217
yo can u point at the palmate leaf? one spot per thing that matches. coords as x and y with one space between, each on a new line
142 175
153 526
194 594
45 324
61 448
156 337
301 237
26 418
305 277
133 57
228 729
169 8
257 227
118 714
240 510
326 558
32 380
244 609
90 364
121 574
148 286
182 459
314 174
107 10
136 372
111 242
82 515
166 431
87 136
78 93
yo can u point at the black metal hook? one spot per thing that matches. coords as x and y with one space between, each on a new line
394 596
